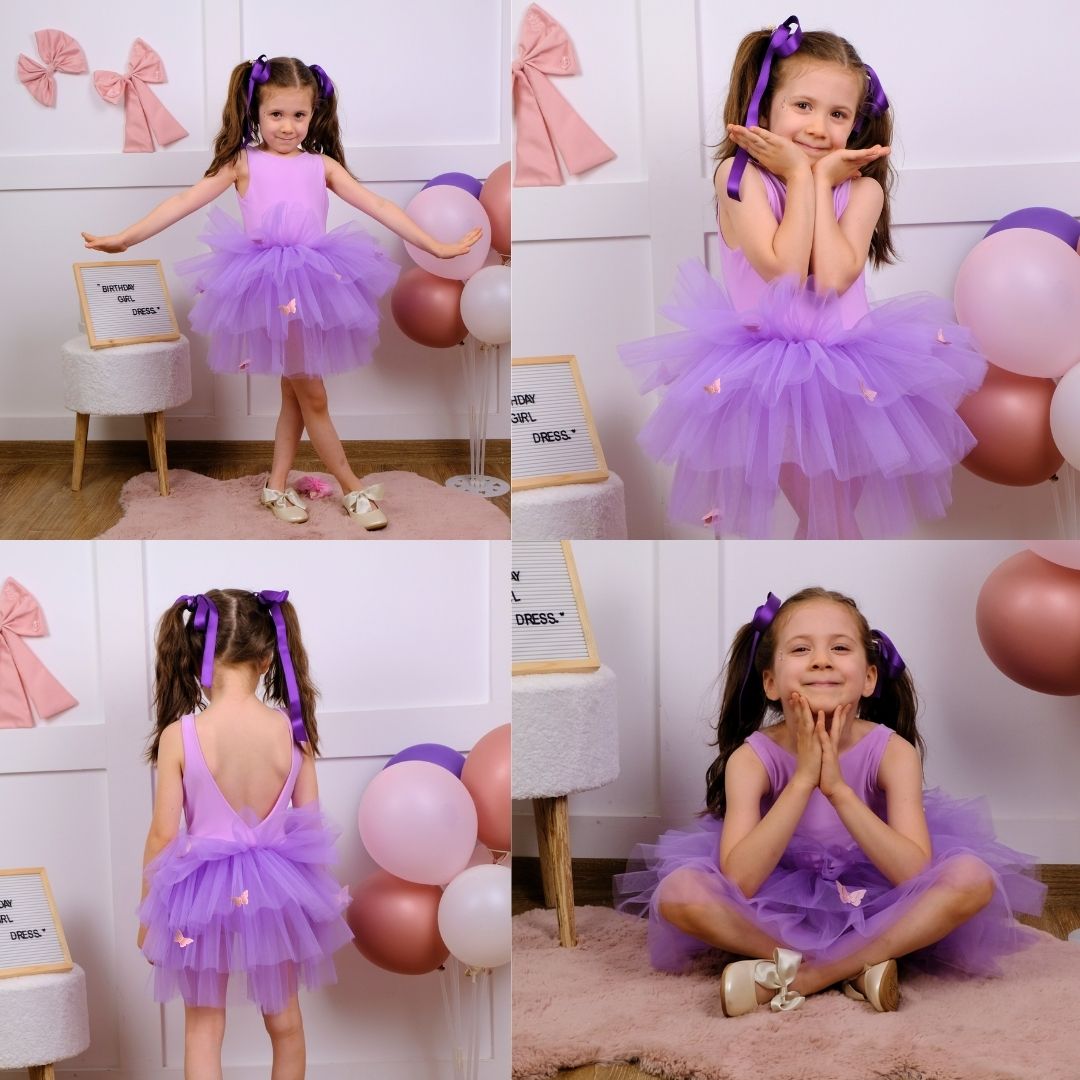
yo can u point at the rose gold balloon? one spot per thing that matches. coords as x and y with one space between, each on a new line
1010 416
495 199
487 776
1028 618
428 308
396 924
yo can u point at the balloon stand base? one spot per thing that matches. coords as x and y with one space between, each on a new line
488 486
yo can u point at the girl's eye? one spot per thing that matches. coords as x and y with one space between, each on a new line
802 105
842 648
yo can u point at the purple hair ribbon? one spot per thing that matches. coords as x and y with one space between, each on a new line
892 662
326 87
875 103
786 39
762 620
260 73
205 618
273 601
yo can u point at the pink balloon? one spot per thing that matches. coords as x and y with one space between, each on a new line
487 776
418 821
428 308
1062 552
1019 292
395 924
447 213
495 199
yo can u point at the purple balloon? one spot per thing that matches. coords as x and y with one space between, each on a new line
435 753
457 179
1045 219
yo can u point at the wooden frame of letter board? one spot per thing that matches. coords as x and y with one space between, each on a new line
38 969
104 343
589 663
589 476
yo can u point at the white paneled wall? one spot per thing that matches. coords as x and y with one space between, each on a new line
407 644
977 136
423 90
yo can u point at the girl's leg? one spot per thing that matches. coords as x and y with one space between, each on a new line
287 435
831 501
311 396
204 1032
286 1030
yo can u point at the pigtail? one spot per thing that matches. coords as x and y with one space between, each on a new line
878 131
237 121
324 132
896 706
274 681
749 57
178 648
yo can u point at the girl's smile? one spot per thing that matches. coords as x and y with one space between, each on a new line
815 106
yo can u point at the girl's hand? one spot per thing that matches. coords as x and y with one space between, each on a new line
807 744
832 781
449 251
843 165
111 244
773 152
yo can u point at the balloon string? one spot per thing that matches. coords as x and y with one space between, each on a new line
1055 491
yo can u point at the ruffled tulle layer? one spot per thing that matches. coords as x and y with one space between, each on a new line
261 904
293 301
866 414
802 902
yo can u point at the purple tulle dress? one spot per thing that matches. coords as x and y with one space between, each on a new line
825 899
861 400
233 894
280 295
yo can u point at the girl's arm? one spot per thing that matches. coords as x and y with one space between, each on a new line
168 802
307 785
390 214
165 214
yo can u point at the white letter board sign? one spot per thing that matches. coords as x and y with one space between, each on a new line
124 303
551 629
31 937
553 438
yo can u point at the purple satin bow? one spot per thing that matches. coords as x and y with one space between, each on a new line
205 618
260 73
762 620
273 601
875 103
892 663
326 87
786 39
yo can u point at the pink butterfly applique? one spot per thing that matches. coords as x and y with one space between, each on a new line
182 941
710 517
245 364
854 897
289 308
241 900
867 392
713 387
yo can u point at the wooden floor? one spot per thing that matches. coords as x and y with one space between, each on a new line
37 503
592 886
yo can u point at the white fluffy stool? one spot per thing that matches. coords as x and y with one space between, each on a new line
43 1020
571 511
566 739
125 380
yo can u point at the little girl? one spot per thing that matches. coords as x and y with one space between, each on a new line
279 295
819 848
245 887
790 379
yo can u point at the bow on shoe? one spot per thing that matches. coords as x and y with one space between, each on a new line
778 975
143 110
61 52
364 499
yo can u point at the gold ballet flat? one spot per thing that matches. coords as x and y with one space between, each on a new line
285 505
882 985
363 509
738 983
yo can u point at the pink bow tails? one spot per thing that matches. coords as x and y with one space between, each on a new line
24 679
545 119
143 111
60 52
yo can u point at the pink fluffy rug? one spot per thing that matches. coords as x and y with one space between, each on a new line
201 508
601 1002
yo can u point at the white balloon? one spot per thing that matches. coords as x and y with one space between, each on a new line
474 916
1065 416
485 305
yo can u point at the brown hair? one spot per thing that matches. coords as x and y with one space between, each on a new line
826 48
742 709
240 125
245 635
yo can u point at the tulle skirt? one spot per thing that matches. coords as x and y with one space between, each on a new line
866 414
262 904
827 901
297 301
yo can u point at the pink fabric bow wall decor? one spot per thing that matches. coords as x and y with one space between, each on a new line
545 119
60 52
24 679
143 111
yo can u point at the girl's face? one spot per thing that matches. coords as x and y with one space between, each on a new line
820 654
284 116
815 106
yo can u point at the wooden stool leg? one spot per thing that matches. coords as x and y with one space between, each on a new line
82 427
553 837
544 852
42 1072
148 424
159 455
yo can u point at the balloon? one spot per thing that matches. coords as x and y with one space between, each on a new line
1010 416
474 916
395 924
1028 618
1046 219
1065 416
428 308
485 305
456 179
1019 292
487 776
495 199
418 821
1062 552
447 213
436 753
